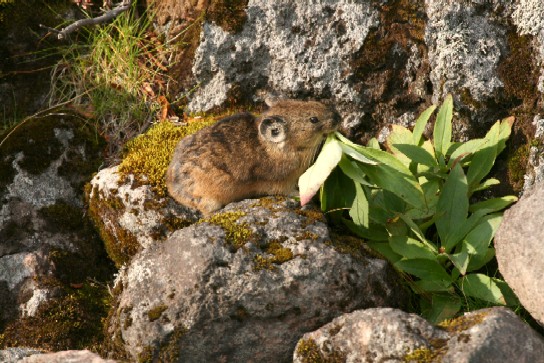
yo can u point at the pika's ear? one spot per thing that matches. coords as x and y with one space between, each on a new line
273 129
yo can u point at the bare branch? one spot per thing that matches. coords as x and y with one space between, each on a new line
111 14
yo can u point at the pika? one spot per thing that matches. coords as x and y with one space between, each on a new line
244 156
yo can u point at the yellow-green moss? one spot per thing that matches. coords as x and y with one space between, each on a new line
148 155
420 355
156 312
462 323
309 352
237 234
276 255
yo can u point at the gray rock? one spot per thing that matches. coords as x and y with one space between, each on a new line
518 245
131 216
378 335
44 164
69 356
14 355
371 335
493 335
292 48
245 291
465 49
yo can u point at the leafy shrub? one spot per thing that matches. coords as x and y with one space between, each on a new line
412 205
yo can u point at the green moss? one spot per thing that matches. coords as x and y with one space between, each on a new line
169 350
120 244
156 312
309 352
62 217
517 166
74 321
420 355
148 155
237 234
228 14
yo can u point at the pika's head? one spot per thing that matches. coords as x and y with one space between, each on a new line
297 125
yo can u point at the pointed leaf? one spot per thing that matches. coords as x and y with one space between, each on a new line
410 248
421 122
482 287
312 179
384 249
478 239
484 158
417 154
424 269
460 260
442 127
348 150
478 261
466 149
359 209
440 308
486 184
399 135
352 170
504 133
453 205
493 204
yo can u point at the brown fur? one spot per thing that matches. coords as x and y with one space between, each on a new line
233 160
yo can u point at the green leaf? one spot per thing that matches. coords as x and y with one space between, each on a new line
433 285
394 176
440 308
442 127
460 260
359 209
478 261
466 149
417 154
352 170
312 179
484 158
504 133
493 204
419 233
453 205
482 287
486 184
373 143
373 233
424 269
399 135
349 150
384 249
337 193
478 239
509 295
421 122
411 248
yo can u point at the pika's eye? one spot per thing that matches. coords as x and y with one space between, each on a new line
314 120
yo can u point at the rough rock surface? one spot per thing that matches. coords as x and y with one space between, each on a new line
280 49
69 356
518 245
244 285
14 355
131 216
43 165
376 335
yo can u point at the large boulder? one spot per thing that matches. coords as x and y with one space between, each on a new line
243 285
375 335
47 245
518 245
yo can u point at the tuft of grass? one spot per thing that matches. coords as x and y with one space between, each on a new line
117 76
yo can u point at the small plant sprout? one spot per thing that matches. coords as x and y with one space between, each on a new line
412 205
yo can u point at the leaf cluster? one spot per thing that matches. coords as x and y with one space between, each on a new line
412 204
